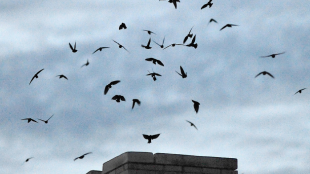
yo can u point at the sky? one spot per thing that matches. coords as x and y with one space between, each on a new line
259 120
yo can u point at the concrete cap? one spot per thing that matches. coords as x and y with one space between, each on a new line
94 172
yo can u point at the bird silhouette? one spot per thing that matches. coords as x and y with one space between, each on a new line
173 45
86 64
107 87
299 91
46 121
150 137
207 4
192 124
36 75
228 25
272 55
189 35
29 120
154 61
264 73
120 46
193 44
122 26
135 101
196 105
74 50
100 49
118 98
162 45
183 74
148 45
153 74
212 20
149 32
27 160
62 76
82 156
174 2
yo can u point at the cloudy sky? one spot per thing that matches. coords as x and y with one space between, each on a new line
259 120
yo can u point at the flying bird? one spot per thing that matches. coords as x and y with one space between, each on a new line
46 121
118 98
100 49
173 45
212 20
149 32
174 2
188 35
193 44
86 64
228 25
150 137
27 160
162 45
264 73
82 156
207 4
192 124
148 45
29 120
153 74
135 101
272 55
36 75
62 76
120 46
196 105
74 50
299 91
106 89
183 74
122 26
154 61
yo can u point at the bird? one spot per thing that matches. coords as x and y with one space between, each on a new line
174 2
46 121
74 50
155 61
183 74
86 64
27 160
173 45
188 35
153 74
162 45
149 32
207 4
120 46
299 91
108 86
148 45
62 76
118 98
212 20
264 73
36 75
192 124
122 26
150 137
82 156
272 55
196 105
135 101
193 44
29 120
100 49
228 25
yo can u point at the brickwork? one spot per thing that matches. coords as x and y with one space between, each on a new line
162 163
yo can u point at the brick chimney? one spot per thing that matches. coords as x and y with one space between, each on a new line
164 163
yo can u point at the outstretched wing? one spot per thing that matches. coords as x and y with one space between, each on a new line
259 74
204 6
223 27
159 62
185 39
115 82
269 74
50 117
87 153
106 89
122 98
279 53
115 97
182 71
146 136
167 46
154 136
156 43
149 59
117 42
194 39
157 74
96 50
71 47
212 20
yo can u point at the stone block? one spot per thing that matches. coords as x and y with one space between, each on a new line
94 172
145 166
211 171
228 172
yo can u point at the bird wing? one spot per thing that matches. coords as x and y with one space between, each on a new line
234 25
223 27
75 45
64 77
194 39
157 74
182 71
115 97
138 101
269 74
87 153
204 6
122 98
71 47
76 158
265 56
31 79
35 75
146 136
157 43
96 50
178 73
148 44
149 59
106 89
167 46
125 49
133 103
115 82
25 118
159 62
50 117
154 136
213 20
279 53
116 42
41 120
175 4
33 120
163 40
185 39
39 71
189 122
259 74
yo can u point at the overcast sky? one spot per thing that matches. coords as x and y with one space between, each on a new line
259 120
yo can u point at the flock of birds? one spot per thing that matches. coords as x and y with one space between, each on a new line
182 73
